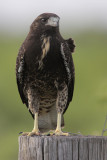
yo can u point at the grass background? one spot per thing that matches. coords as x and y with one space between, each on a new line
88 109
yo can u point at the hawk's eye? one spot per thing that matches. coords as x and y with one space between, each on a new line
43 20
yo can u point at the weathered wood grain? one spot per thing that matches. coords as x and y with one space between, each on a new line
62 148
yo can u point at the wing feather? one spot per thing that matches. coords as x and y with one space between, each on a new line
21 75
68 62
20 69
71 44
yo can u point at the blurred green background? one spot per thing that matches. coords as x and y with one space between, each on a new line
86 113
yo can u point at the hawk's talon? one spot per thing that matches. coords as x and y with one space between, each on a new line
56 132
25 133
37 133
49 133
60 133
34 133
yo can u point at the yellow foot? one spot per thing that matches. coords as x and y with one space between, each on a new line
60 133
56 132
37 133
49 133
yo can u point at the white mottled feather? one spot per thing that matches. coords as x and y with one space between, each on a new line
65 62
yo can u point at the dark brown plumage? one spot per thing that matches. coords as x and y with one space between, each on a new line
45 71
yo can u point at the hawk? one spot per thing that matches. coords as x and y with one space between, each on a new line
45 74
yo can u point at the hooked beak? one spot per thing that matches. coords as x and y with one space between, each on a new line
53 21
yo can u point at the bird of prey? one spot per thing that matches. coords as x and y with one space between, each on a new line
45 74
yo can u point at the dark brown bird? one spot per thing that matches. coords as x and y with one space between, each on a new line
45 74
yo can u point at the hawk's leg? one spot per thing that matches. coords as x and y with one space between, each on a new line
34 108
58 130
61 105
35 130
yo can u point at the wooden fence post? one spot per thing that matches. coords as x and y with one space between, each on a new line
62 148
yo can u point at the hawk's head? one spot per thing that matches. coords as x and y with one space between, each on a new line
45 22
